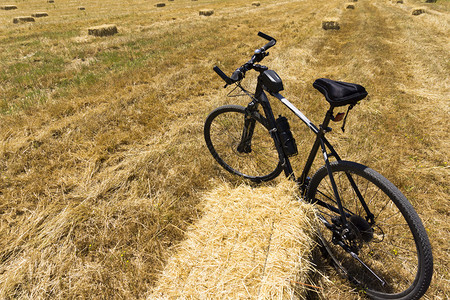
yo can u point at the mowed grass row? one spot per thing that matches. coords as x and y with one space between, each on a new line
103 159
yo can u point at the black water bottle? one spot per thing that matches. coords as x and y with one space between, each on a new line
285 134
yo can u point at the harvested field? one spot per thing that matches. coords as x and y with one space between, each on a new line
104 173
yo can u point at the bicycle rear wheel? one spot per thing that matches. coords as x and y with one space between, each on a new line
223 132
395 247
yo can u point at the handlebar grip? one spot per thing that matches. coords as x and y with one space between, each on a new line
269 45
222 75
265 36
271 40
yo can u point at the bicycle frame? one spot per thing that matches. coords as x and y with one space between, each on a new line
320 142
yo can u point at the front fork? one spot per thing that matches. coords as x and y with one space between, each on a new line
245 145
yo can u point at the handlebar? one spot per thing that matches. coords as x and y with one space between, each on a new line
259 55
222 75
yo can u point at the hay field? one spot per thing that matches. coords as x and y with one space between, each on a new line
103 166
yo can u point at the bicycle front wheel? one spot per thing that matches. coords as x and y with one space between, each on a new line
224 130
387 256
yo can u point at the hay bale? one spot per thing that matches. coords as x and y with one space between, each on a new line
81 8
40 15
331 24
103 30
256 4
23 19
160 4
8 7
251 243
206 12
418 11
350 6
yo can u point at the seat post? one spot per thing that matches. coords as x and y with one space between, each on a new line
327 119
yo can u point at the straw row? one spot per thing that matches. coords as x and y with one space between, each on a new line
250 243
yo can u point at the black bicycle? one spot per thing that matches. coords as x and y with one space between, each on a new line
371 233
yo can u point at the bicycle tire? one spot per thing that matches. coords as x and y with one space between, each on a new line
406 267
223 130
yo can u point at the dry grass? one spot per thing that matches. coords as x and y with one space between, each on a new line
249 243
103 162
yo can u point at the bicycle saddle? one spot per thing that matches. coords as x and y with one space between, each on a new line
340 93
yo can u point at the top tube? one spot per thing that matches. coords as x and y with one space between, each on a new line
297 112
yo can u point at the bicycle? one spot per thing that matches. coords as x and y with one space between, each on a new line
369 230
